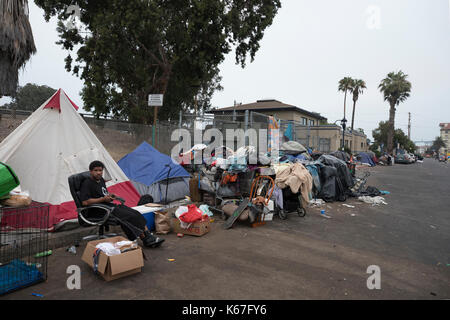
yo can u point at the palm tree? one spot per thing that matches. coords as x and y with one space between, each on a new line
344 85
395 89
16 43
356 88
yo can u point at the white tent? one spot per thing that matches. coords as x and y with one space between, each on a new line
50 145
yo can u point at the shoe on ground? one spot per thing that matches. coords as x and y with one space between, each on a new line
151 241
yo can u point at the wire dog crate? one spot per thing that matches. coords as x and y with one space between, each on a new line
23 246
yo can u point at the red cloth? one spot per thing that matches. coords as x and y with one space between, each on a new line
193 214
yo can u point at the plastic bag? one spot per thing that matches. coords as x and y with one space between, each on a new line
205 209
17 200
162 222
193 214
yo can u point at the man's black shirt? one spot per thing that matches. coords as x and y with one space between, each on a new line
92 189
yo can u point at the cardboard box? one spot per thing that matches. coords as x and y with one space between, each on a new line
197 228
114 267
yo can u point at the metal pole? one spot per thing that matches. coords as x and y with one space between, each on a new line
409 126
309 132
343 133
246 127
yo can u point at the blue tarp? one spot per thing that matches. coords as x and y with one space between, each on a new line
366 158
147 165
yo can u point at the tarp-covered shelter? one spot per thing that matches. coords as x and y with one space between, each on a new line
365 157
344 156
154 173
336 179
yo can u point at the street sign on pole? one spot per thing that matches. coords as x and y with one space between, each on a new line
155 100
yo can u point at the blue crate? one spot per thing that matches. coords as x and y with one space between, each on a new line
17 274
150 218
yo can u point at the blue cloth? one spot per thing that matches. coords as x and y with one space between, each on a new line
315 175
17 274
288 132
147 165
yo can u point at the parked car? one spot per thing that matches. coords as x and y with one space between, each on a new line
442 158
402 158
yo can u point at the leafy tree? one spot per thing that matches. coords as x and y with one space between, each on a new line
438 143
345 85
16 43
134 48
395 89
380 135
30 97
357 87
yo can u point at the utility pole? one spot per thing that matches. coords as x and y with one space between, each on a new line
409 126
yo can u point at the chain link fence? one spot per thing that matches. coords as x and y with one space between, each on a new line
121 137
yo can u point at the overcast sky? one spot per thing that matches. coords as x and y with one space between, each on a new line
310 46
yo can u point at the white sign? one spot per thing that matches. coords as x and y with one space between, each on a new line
155 100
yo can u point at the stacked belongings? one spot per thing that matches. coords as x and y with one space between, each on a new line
336 179
348 159
344 156
296 184
293 151
255 207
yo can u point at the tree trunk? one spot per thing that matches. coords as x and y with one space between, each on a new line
345 98
390 135
353 113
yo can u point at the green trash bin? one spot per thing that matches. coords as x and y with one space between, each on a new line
8 179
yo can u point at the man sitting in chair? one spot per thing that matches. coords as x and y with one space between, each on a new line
93 191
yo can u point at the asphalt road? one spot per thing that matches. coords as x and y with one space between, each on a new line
298 258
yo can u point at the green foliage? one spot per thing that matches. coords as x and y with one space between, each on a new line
357 87
30 97
395 88
438 143
380 135
347 149
135 48
345 84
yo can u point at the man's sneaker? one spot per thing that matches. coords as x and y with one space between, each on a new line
150 241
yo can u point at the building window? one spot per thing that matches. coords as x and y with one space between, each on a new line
362 145
304 121
311 122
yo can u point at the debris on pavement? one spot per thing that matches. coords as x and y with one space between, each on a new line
43 254
375 201
322 213
347 205
37 295
316 203
72 249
